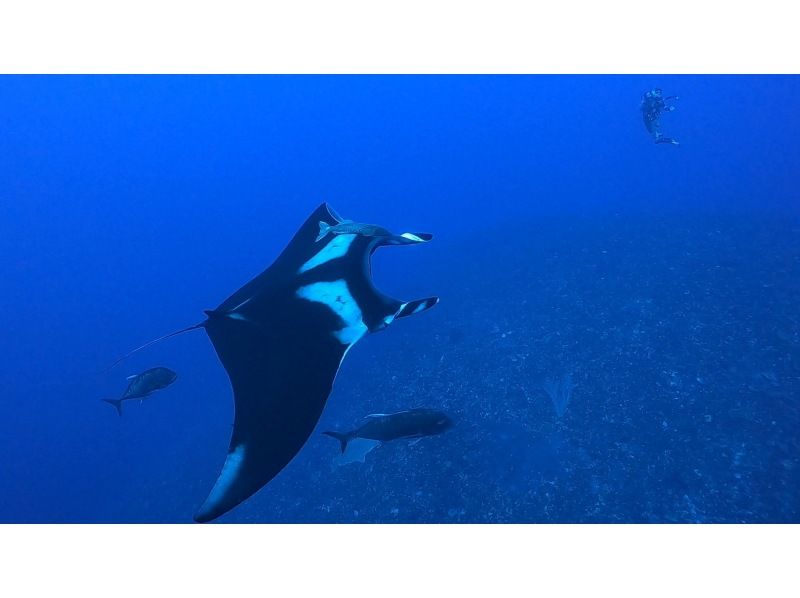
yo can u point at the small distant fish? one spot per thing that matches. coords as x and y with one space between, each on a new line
383 427
348 227
140 386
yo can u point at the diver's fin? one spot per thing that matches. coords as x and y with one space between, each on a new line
414 307
153 342
342 438
324 228
116 402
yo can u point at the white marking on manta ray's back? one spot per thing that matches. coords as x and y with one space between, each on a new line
336 296
420 307
230 471
412 237
391 317
335 248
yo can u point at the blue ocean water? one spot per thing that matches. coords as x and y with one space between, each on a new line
618 337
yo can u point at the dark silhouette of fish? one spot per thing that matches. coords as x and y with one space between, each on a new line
141 386
385 427
282 338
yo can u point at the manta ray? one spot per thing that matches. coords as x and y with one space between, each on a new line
282 338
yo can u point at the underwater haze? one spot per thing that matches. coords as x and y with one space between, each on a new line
618 333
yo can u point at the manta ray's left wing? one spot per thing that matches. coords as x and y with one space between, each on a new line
282 338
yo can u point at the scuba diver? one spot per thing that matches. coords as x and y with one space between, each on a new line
653 104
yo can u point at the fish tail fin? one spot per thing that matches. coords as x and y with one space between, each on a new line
324 228
342 438
117 403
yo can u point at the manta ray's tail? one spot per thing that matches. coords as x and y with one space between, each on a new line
342 438
153 342
117 403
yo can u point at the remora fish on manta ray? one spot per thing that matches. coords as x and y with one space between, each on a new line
282 338
347 227
141 386
384 427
